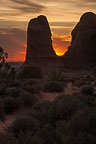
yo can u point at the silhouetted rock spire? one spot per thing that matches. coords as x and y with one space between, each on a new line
83 45
39 43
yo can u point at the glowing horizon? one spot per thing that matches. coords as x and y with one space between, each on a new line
62 16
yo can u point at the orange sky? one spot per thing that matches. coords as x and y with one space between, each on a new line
61 43
62 16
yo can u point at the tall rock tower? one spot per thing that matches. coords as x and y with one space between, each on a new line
83 44
39 43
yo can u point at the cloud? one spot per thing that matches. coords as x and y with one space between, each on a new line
92 1
13 24
62 28
61 42
18 9
63 24
66 1
13 41
27 6
61 31
84 4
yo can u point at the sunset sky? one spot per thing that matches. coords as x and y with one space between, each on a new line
62 16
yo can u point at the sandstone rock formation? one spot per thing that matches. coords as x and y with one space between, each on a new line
39 43
83 45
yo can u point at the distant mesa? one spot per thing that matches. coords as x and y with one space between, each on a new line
83 45
39 43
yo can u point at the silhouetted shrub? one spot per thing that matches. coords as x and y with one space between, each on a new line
94 71
28 130
30 82
7 138
47 134
83 138
31 86
60 121
15 83
62 132
88 78
53 86
10 104
56 76
44 112
79 84
31 89
30 72
26 99
29 139
66 106
7 65
12 73
87 90
12 91
3 87
3 75
3 71
24 124
82 128
88 100
2 112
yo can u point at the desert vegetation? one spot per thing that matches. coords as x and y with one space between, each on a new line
70 117
67 119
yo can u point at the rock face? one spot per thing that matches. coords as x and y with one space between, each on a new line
39 43
83 45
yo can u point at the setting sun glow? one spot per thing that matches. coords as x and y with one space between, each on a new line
60 44
60 53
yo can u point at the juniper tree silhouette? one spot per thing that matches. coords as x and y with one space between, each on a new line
3 55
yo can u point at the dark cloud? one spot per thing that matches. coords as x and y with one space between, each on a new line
61 30
67 1
27 6
4 13
85 4
13 24
13 41
63 24
51 1
90 1
60 41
